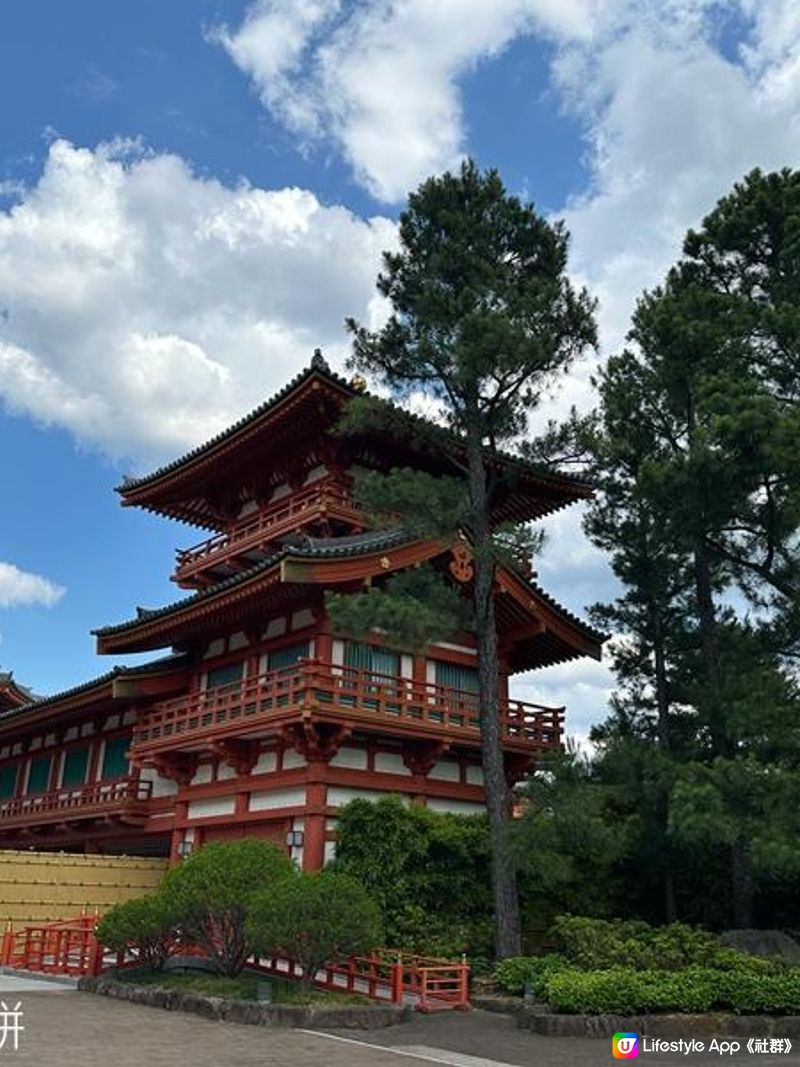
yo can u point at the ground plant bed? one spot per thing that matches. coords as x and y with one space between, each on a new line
237 1000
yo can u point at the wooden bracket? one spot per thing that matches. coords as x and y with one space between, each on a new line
316 740
179 767
241 755
517 766
420 756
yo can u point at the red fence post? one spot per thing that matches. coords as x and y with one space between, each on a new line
94 963
7 948
464 999
397 982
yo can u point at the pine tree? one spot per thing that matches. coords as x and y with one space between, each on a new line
484 318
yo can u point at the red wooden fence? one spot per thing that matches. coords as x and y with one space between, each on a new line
71 947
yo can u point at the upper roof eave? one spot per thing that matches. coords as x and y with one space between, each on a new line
342 547
142 491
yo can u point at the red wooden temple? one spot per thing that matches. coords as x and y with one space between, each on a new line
255 717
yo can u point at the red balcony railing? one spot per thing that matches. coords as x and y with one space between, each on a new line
329 692
331 498
116 795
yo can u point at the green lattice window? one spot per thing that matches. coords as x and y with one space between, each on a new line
371 658
8 781
76 763
39 774
456 676
115 757
227 675
286 656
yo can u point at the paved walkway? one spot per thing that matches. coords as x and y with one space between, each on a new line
64 1027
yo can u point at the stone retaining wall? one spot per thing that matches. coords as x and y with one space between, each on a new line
668 1026
344 1016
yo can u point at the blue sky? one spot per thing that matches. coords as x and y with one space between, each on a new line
194 194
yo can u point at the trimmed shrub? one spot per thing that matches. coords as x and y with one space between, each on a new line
146 923
314 918
600 943
210 894
694 989
518 974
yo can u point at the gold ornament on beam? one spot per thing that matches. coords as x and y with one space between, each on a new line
461 564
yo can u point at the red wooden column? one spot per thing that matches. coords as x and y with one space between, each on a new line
323 646
314 829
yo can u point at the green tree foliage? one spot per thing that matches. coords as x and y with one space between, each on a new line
568 844
147 924
314 918
694 451
426 871
484 319
211 891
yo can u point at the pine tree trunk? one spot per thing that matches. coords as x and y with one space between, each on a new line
710 646
742 889
504 883
662 800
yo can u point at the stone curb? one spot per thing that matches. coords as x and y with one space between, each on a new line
40 976
345 1017
714 1024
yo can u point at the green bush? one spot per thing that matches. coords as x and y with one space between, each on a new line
518 974
211 891
314 918
626 991
148 924
597 944
427 872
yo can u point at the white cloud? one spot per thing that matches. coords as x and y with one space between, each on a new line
144 308
382 79
582 686
20 588
672 124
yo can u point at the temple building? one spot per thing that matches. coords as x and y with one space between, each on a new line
254 717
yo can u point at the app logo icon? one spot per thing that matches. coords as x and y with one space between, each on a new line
625 1046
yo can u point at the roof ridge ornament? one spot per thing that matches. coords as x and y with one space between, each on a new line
318 361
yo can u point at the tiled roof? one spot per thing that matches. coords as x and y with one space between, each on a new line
303 547
115 672
320 367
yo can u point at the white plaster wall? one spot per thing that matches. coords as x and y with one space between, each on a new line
162 787
355 758
237 641
457 807
338 795
202 775
111 723
391 763
266 763
204 809
445 770
474 775
292 759
215 648
302 618
277 798
225 771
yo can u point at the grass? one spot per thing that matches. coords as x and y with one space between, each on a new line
243 987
